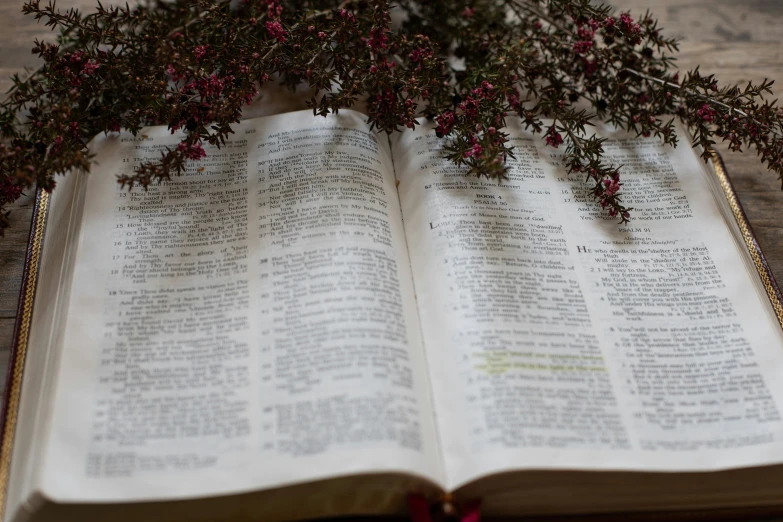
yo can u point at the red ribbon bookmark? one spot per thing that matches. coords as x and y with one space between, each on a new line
419 509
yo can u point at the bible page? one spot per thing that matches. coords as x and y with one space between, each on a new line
248 324
560 339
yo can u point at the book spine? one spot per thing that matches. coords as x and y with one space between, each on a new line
446 508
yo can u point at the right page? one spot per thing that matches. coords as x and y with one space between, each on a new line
559 339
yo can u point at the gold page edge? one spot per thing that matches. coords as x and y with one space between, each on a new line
20 342
767 279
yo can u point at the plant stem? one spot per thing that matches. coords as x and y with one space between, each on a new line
702 97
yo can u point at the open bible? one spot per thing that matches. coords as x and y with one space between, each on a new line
317 320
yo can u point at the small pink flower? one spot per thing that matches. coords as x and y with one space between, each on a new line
553 138
513 100
611 187
631 28
469 106
707 113
194 152
89 67
418 55
9 191
378 40
445 122
585 33
474 152
200 51
277 31
583 47
468 12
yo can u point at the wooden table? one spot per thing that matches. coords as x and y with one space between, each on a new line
736 40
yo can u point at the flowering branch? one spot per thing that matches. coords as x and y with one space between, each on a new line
469 65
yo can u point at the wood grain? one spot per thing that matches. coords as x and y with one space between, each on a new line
738 41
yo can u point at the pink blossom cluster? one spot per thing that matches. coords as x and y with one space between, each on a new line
89 67
378 40
486 90
76 66
273 8
631 29
446 122
200 51
347 15
606 189
707 113
583 46
192 151
553 138
420 54
612 186
476 150
173 73
9 191
211 86
585 33
469 106
276 30
382 65
513 100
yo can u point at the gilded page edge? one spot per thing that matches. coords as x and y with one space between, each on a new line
21 336
767 278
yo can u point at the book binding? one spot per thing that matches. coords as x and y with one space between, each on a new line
420 509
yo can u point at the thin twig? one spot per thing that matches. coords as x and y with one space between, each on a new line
701 96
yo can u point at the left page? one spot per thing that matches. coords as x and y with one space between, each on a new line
249 324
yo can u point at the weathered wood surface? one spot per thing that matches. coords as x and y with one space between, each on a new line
738 41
